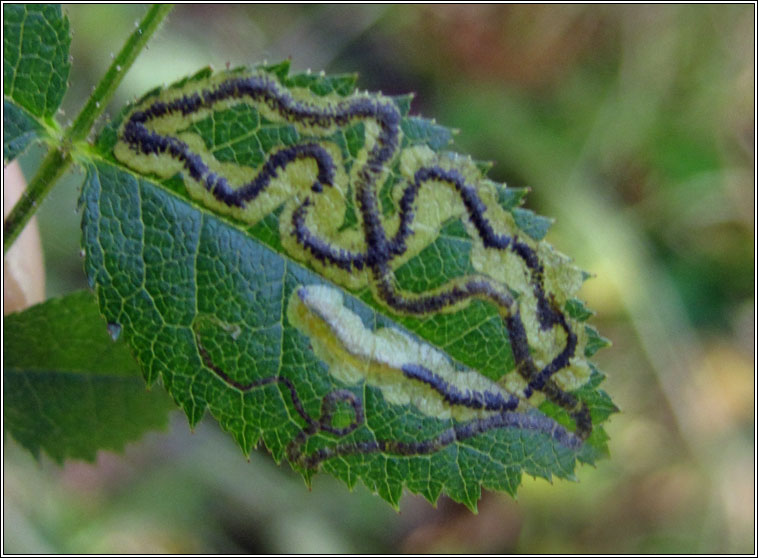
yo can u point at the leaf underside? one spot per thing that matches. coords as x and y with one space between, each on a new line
264 303
73 390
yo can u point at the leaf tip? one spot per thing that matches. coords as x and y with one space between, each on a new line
472 505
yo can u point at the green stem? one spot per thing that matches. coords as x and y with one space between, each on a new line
112 78
51 169
59 159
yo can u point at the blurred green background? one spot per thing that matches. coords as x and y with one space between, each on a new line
634 127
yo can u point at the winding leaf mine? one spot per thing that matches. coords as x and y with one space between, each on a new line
303 260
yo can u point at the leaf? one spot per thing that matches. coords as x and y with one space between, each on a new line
365 304
73 391
35 56
36 64
19 130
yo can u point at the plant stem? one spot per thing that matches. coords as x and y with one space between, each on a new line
112 78
59 158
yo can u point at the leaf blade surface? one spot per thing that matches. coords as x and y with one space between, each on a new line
74 390
219 301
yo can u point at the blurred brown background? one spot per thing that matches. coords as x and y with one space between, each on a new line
634 126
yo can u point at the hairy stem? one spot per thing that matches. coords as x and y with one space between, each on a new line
59 158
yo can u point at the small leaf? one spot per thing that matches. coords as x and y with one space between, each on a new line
304 261
68 388
19 130
35 57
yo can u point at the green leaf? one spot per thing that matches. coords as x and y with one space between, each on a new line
36 64
430 360
69 388
19 130
35 57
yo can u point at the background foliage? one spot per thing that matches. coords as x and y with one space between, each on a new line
634 128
